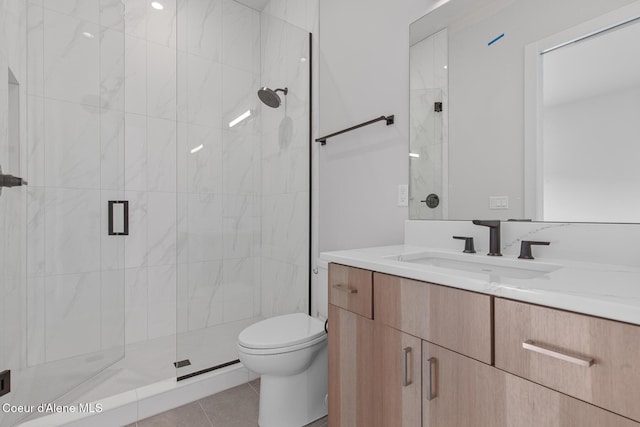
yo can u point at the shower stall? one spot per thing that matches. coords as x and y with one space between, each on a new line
165 207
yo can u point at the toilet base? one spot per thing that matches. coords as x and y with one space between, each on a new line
294 401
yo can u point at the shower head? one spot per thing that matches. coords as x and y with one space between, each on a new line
270 97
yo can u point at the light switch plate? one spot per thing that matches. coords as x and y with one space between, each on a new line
403 195
498 202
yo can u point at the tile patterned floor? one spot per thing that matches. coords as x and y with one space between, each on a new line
236 407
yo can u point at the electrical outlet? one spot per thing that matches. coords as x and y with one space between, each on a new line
498 202
403 195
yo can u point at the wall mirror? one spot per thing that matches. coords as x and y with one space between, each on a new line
494 87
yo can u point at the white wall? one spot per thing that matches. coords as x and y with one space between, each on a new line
364 73
601 182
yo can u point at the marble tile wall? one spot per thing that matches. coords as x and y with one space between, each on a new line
62 132
119 100
12 200
151 134
75 142
218 166
285 165
301 13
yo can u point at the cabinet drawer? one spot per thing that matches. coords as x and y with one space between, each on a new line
350 288
452 318
593 359
459 391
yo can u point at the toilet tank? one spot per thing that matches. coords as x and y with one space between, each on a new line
320 294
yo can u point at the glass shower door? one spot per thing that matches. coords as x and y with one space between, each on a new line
63 237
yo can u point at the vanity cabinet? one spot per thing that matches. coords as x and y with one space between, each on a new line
351 347
423 355
592 359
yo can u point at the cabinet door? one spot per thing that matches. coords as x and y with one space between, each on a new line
468 393
398 378
459 391
351 375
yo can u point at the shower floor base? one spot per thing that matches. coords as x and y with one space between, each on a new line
144 383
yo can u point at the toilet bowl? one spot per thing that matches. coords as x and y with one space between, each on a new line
290 354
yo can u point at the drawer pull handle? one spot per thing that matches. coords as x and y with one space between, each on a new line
405 366
577 360
345 288
431 364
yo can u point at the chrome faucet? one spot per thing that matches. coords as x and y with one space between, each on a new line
494 235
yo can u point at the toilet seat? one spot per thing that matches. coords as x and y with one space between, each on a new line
281 334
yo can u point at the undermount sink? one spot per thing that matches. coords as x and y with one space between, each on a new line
477 263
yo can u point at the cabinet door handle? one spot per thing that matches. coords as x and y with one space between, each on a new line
405 366
345 288
432 364
577 360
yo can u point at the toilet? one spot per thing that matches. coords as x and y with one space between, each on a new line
290 354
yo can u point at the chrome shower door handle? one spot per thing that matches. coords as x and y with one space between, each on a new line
405 366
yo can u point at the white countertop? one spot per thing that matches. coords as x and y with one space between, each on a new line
604 290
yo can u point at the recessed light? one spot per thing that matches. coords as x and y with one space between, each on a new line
445 67
414 155
156 5
88 35
303 59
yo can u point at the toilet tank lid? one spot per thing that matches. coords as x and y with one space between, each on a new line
282 331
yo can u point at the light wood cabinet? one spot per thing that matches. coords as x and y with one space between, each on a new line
593 359
452 318
463 390
398 378
409 353
468 393
351 289
351 373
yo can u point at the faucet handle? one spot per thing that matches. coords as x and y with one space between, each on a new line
468 244
525 248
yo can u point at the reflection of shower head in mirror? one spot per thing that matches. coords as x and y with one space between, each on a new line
270 97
